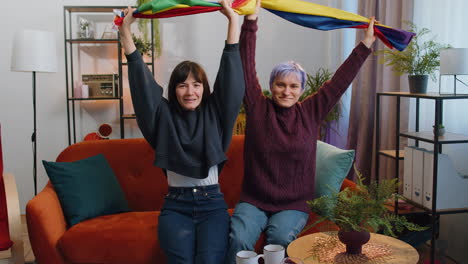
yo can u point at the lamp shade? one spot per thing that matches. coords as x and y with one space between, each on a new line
34 51
454 61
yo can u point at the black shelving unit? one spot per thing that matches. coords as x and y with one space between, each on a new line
425 136
69 42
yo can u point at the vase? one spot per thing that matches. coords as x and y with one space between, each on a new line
418 83
354 240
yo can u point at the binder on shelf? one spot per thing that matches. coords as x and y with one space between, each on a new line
418 176
408 173
452 188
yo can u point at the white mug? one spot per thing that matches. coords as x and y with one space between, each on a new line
247 257
273 254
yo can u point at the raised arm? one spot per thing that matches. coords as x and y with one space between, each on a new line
248 39
126 32
146 93
233 22
330 93
229 86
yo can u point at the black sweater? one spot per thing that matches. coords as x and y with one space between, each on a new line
188 142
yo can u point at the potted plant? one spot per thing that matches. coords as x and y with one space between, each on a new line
360 210
439 130
420 59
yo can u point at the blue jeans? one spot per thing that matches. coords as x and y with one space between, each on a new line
248 222
194 225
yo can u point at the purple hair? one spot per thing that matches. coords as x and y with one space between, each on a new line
286 68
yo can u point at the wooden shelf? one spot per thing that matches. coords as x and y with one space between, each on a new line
147 63
392 153
93 98
92 41
413 210
418 208
427 95
428 136
93 9
129 116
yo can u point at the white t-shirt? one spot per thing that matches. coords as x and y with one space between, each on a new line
177 180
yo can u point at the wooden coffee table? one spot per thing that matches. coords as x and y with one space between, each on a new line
401 252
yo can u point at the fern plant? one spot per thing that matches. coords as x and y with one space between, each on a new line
421 57
362 208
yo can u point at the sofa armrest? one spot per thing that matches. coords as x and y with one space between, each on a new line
14 218
347 183
46 225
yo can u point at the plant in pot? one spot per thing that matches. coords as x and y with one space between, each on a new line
361 210
439 129
419 60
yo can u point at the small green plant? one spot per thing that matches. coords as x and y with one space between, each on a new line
362 208
143 26
439 126
421 56
143 46
315 81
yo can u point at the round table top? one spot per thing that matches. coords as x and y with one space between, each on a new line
401 252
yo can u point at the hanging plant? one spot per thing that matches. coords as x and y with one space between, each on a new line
143 26
142 45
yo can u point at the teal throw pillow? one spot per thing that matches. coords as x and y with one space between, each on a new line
332 166
86 188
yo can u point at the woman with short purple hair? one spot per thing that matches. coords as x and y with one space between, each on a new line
280 144
283 69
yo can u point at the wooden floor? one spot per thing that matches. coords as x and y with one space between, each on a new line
424 251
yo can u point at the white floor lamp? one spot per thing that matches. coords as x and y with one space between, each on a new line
34 51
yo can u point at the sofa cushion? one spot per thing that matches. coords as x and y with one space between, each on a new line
332 166
86 188
117 239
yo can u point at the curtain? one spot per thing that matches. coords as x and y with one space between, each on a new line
373 78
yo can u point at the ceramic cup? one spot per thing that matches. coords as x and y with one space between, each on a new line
273 254
247 257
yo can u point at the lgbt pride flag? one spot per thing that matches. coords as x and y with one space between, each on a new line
296 11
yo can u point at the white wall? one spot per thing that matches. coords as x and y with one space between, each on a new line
199 38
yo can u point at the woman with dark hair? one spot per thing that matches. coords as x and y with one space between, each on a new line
280 144
190 133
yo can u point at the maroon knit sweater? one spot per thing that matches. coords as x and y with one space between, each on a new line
280 143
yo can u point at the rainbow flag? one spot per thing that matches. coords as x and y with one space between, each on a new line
296 11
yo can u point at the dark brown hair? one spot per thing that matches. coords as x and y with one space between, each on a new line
180 74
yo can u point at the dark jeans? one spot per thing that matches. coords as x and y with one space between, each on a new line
194 225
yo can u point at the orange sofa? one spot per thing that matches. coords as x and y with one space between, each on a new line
121 238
